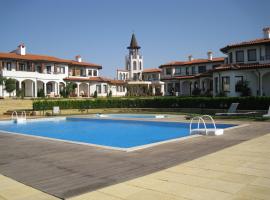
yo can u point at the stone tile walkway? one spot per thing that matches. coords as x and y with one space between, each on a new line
13 190
239 172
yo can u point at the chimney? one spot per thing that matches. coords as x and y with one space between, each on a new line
78 58
190 58
21 49
210 55
266 32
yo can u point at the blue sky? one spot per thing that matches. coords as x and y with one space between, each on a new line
100 30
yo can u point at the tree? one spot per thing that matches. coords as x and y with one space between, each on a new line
242 87
2 83
68 89
10 85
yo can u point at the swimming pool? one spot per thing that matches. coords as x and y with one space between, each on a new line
118 134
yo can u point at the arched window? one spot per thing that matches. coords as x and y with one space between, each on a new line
134 65
121 76
124 76
140 65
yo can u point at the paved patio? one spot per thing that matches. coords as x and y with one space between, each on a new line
66 170
239 172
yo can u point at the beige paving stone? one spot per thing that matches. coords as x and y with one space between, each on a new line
253 172
121 190
224 186
13 190
265 182
153 195
238 178
95 196
252 191
180 178
196 171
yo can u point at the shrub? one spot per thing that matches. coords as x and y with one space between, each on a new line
10 85
246 103
40 93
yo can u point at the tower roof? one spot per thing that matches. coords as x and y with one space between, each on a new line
133 43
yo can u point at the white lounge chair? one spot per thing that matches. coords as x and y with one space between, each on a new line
232 111
268 114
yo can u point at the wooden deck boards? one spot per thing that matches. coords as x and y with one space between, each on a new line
66 170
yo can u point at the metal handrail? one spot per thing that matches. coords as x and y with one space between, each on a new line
23 115
198 125
12 116
211 118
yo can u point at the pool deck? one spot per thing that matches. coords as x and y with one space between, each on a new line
66 170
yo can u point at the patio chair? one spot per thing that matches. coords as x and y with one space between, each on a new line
268 114
231 111
56 110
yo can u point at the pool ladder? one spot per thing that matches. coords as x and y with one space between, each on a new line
204 130
18 119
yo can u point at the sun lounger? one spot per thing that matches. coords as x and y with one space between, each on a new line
268 114
232 111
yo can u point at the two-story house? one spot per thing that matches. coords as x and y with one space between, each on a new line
247 61
184 77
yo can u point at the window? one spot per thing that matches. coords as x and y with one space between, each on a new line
82 72
94 72
202 69
29 67
49 69
168 71
38 69
90 72
178 70
225 83
62 70
134 65
252 55
9 66
22 67
177 87
231 57
238 80
239 56
105 88
187 71
98 89
216 85
140 65
193 70
267 52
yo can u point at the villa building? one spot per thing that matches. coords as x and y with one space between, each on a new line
184 77
246 61
139 81
34 73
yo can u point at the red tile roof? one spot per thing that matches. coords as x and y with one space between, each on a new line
44 58
195 61
95 79
154 70
245 43
179 77
225 67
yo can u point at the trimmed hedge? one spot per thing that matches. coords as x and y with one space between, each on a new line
246 103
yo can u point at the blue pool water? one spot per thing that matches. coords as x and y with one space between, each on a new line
113 133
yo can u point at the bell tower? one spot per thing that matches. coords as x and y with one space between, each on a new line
134 60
